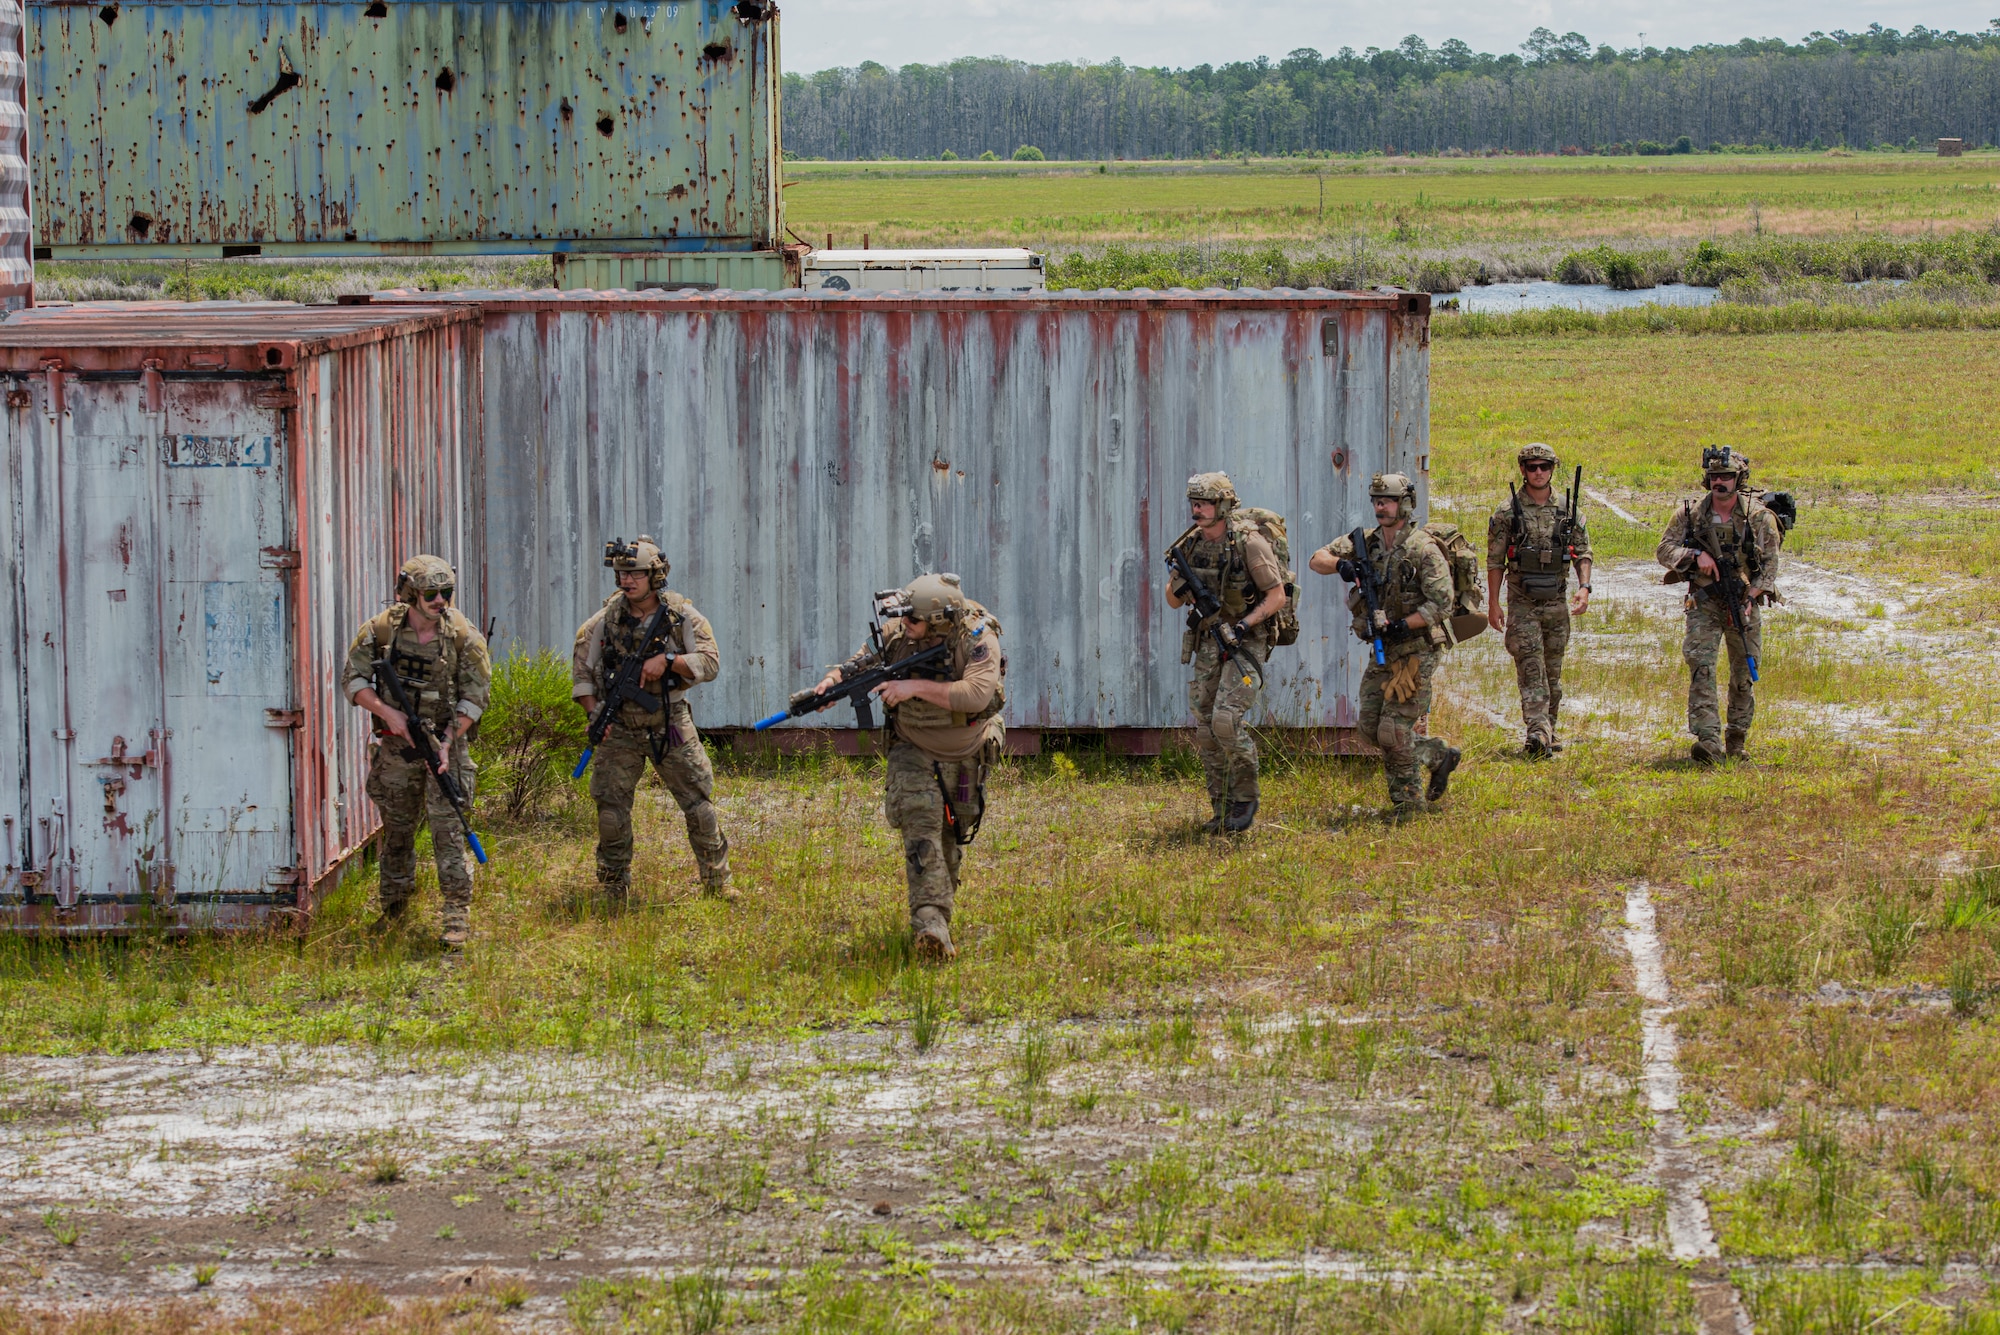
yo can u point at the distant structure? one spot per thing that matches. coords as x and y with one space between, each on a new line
1951 148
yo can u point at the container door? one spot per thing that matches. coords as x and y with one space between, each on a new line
229 704
106 573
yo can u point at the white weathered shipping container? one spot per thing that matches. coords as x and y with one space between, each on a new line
996 270
796 451
202 505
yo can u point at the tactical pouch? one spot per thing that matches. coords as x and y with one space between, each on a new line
1187 646
1543 585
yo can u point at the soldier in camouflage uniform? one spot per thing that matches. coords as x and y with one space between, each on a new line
666 738
441 657
1414 575
1726 529
945 735
1238 566
1533 541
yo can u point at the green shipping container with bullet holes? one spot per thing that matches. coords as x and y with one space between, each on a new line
403 127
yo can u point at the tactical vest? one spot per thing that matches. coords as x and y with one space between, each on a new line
622 632
1538 554
428 671
1400 572
1732 545
973 628
1222 568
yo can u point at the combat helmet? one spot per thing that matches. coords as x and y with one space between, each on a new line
1214 487
934 598
1536 452
424 574
1721 461
642 553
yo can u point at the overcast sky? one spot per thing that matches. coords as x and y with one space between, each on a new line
821 33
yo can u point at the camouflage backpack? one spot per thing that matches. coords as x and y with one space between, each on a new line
1468 612
1270 525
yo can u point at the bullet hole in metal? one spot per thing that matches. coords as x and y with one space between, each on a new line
752 11
715 51
349 236
618 22
446 80
567 110
140 225
378 10
109 14
605 125
288 79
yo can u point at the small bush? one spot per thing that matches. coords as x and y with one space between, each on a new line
530 736
989 156
1029 153
947 156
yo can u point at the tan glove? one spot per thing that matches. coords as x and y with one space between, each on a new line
1404 679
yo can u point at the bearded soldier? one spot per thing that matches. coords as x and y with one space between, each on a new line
1534 541
1229 646
1725 548
944 736
684 654
448 678
1413 577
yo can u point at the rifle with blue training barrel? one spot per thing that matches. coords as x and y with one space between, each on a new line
391 684
858 688
625 687
1359 571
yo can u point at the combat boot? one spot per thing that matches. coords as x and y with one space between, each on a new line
931 941
1538 747
1402 813
1241 816
718 887
457 929
1441 774
390 918
613 895
1705 753
1733 742
1213 825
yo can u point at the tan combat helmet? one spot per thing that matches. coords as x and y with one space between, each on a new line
934 598
1721 461
1214 487
642 553
424 574
1536 452
1397 485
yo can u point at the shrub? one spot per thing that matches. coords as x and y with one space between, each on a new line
1029 153
989 156
530 736
947 156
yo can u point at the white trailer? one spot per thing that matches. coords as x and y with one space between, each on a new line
999 270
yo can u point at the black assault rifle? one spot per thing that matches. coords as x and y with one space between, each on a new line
625 687
1735 597
391 683
857 689
1359 571
1207 608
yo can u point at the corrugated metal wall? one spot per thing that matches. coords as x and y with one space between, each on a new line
795 453
17 240
203 506
427 126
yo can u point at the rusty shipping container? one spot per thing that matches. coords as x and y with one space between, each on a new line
795 452
17 237
203 504
406 127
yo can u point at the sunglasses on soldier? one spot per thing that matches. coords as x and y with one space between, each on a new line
434 594
1538 466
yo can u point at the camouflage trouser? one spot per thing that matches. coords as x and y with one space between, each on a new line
913 804
1707 630
684 768
1537 636
1391 725
1220 700
405 795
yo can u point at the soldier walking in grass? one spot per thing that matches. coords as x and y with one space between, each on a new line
1724 547
665 738
1413 579
1534 540
945 734
1244 582
447 676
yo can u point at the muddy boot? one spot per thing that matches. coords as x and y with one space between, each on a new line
1404 812
1733 743
612 896
718 887
1441 774
1241 816
1213 825
931 942
457 928
1538 747
390 918
1705 752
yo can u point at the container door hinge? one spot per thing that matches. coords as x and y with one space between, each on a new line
284 718
279 558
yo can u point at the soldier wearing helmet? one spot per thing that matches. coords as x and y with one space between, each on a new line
1414 576
945 734
442 660
1531 542
1240 568
1728 530
664 738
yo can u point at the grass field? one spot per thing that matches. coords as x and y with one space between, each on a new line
1448 202
1331 1076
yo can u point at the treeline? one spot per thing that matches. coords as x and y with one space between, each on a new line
1860 90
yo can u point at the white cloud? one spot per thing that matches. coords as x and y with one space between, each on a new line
821 33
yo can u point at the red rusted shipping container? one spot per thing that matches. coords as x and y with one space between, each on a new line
203 504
